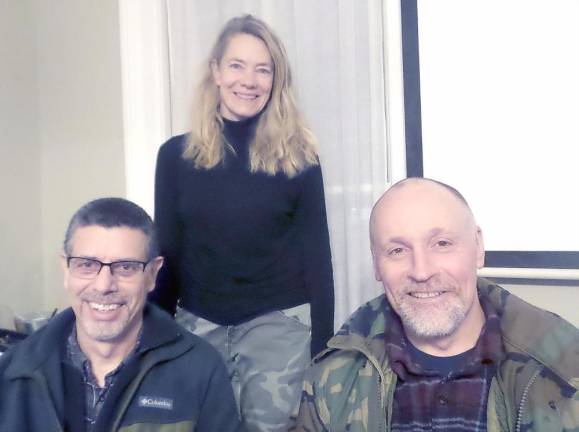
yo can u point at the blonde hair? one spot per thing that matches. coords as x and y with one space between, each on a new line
282 142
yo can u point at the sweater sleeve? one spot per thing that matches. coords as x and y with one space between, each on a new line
312 221
168 224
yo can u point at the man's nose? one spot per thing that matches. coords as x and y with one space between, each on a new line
105 281
422 267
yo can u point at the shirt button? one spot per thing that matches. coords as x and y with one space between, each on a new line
442 400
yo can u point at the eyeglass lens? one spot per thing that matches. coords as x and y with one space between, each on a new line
89 268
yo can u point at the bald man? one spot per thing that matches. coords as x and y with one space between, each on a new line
441 349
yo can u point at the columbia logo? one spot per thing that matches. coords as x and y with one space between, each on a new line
155 402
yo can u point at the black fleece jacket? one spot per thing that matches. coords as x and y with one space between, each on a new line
176 381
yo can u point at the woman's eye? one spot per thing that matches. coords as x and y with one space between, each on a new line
264 71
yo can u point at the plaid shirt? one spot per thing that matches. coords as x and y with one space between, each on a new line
94 394
455 401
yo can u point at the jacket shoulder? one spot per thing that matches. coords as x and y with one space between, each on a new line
534 332
368 320
30 353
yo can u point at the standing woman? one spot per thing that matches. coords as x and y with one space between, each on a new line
239 205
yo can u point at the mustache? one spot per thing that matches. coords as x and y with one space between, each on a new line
434 285
97 297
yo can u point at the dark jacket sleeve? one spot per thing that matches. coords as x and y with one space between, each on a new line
167 223
219 410
311 217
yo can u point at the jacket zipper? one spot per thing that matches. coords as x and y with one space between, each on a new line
524 400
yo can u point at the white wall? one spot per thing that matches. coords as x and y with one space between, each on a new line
21 273
80 117
62 110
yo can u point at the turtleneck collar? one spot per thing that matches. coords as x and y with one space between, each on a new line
240 133
239 124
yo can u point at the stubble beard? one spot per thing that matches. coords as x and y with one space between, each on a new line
433 320
105 331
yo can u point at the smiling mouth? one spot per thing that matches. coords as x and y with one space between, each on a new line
104 307
246 96
425 295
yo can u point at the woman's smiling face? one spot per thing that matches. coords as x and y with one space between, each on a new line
244 77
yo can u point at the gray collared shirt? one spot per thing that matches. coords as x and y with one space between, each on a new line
94 394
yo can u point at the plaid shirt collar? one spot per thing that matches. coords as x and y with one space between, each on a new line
79 359
488 349
94 394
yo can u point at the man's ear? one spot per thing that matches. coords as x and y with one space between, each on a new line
63 263
154 266
65 270
480 249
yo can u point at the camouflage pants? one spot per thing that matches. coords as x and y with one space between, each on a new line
266 358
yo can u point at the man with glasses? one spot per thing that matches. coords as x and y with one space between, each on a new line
112 362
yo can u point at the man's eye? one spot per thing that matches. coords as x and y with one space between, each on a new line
395 251
87 264
443 243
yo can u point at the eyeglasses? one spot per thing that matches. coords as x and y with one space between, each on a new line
88 268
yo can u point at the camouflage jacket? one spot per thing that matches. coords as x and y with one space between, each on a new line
350 385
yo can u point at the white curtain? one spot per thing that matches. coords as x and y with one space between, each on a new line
336 51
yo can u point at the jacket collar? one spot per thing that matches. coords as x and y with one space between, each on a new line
364 331
43 344
524 328
159 329
537 333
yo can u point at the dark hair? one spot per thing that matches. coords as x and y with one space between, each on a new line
110 213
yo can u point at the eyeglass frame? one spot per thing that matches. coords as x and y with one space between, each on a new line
109 265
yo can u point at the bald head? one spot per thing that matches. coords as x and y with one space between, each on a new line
426 249
408 190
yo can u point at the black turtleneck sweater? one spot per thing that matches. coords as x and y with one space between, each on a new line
239 244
